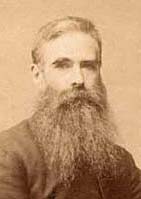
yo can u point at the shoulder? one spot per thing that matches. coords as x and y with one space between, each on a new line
17 145
16 137
126 169
21 164
124 158
122 165
126 182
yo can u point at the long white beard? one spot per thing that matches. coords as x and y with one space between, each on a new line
73 129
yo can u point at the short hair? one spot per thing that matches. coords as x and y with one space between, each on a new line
58 27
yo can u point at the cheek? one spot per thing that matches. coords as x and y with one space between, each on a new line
91 78
57 80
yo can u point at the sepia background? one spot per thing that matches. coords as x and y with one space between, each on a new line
119 23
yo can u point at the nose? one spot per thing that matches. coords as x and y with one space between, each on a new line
78 79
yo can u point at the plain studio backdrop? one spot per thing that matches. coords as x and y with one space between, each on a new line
119 23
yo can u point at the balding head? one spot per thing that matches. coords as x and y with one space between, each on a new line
58 27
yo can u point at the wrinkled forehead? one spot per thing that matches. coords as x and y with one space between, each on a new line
76 46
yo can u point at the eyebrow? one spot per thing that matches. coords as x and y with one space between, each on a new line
62 60
94 62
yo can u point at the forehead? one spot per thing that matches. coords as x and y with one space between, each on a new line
73 45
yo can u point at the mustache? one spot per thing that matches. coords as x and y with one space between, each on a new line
73 98
78 97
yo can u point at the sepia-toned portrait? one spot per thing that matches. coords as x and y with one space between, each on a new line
70 99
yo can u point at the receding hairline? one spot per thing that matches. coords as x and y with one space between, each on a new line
58 27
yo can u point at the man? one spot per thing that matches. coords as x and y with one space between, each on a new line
67 149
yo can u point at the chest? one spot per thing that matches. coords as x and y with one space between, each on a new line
88 187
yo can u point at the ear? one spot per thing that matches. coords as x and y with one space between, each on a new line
38 76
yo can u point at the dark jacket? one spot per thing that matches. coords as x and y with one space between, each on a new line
23 174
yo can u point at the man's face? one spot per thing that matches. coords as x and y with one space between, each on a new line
70 61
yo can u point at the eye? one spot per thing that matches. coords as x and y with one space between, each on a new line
63 65
91 65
